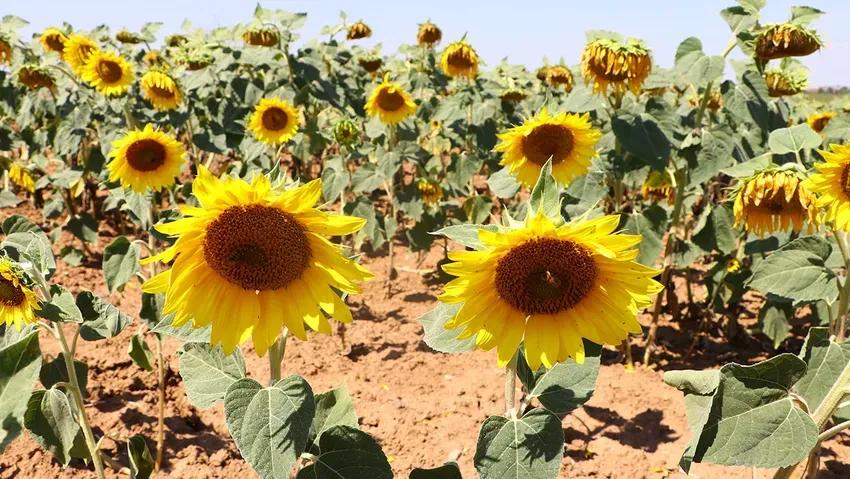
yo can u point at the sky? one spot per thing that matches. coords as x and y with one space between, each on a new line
524 32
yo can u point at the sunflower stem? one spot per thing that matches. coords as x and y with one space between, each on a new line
844 294
160 426
510 386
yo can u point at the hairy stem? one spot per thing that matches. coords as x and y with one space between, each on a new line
510 386
160 426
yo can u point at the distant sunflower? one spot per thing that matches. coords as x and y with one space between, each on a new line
175 40
346 132
5 51
435 124
359 30
35 77
560 76
715 101
609 64
786 40
108 73
733 266
568 139
128 37
428 35
659 187
549 287
818 121
22 178
371 63
390 103
431 191
153 58
513 95
145 159
775 200
250 260
261 37
53 39
77 51
161 90
18 301
832 185
785 82
274 121
542 72
459 60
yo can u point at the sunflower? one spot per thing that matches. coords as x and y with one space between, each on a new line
551 286
274 121
161 90
785 82
53 40
359 30
35 77
832 184
786 40
146 159
108 73
371 63
715 101
346 132
431 191
542 72
390 103
261 37
459 60
818 121
559 76
125 36
153 58
733 266
775 200
5 51
175 40
18 301
21 177
568 139
608 63
77 51
250 260
513 95
428 35
659 187
435 125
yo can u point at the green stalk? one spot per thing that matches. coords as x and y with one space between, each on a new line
510 386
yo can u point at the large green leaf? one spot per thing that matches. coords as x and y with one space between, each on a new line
120 262
101 320
530 447
793 139
50 421
141 462
437 336
796 271
140 352
333 408
61 307
642 137
650 247
826 359
545 195
56 371
715 153
347 453
466 235
19 366
503 184
208 373
567 385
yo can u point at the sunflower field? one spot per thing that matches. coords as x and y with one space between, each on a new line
227 256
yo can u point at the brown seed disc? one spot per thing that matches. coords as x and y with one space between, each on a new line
545 141
146 155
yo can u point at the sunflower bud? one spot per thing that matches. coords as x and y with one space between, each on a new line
346 132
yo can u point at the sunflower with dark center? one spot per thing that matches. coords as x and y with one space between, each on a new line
459 60
431 191
18 301
785 82
274 121
832 185
128 37
786 40
359 30
390 103
108 73
153 58
5 51
346 132
614 68
659 187
261 37
78 50
175 40
542 72
371 63
53 40
818 121
568 139
560 77
146 159
161 90
775 200
513 95
35 77
428 35
733 266
549 286
250 260
21 177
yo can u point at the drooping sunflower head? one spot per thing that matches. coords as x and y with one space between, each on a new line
261 37
108 73
77 51
53 39
371 63
262 260
35 77
18 301
146 159
5 51
128 37
550 287
459 60
175 40
818 121
781 82
832 185
733 266
154 59
346 132
659 187
784 40
775 200
610 64
161 90
542 72
390 103
430 190
428 35
567 138
715 101
195 59
21 177
359 30
559 76
513 95
274 121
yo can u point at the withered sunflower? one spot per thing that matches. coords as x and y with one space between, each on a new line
77 51
550 287
560 76
5 51
786 40
21 177
785 82
35 77
274 121
659 187
832 185
775 200
818 121
390 103
715 101
513 95
18 301
371 63
459 60
153 58
261 37
431 191
145 159
128 37
359 30
161 90
108 73
428 35
175 40
567 138
608 64
53 39
250 260
542 72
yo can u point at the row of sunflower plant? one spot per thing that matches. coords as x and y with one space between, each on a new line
530 174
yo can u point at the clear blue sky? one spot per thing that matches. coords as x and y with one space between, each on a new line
523 31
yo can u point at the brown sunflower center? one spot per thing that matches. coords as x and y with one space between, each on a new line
845 179
161 92
547 141
55 43
275 119
257 247
820 123
459 59
389 99
545 276
10 295
146 155
109 71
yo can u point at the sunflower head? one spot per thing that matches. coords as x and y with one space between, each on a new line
715 101
818 121
262 258
261 37
161 90
567 138
5 51
430 190
346 132
560 77
542 72
18 301
831 183
35 77
108 73
21 177
146 159
154 59
175 40
782 82
128 37
435 125
274 121
786 40
459 60
359 30
196 60
513 95
77 51
371 63
659 187
612 65
775 200
53 39
428 35
550 287
733 266
390 103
